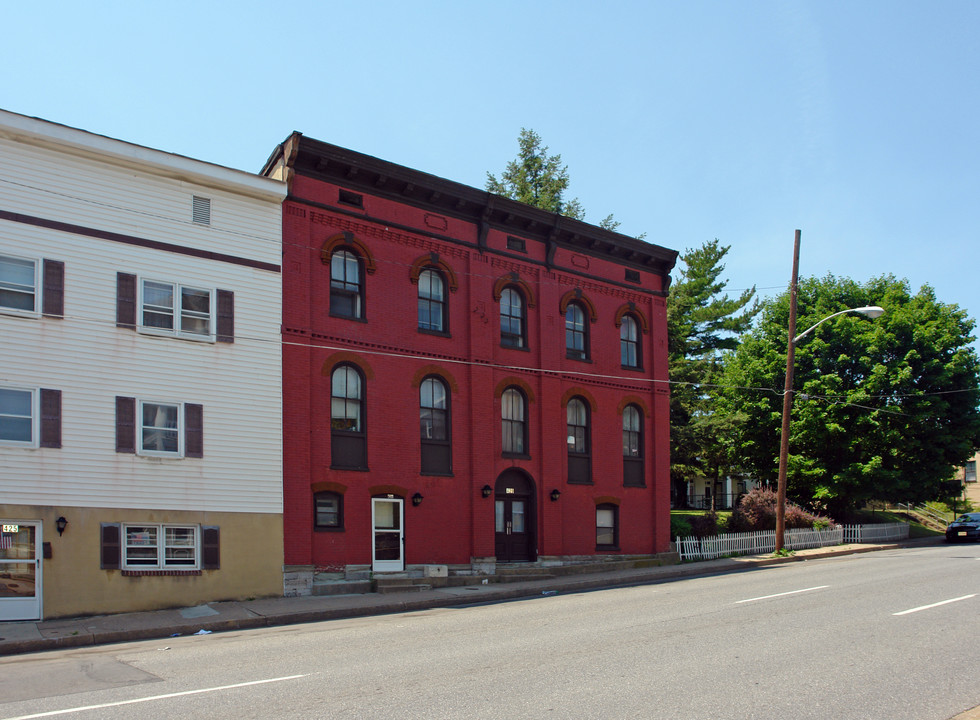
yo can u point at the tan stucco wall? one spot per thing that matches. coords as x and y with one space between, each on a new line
74 584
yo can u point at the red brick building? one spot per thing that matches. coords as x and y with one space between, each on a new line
467 380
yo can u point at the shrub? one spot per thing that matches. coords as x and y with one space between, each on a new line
705 525
757 511
680 527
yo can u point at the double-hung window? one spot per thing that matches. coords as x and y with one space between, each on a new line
629 343
328 511
346 285
513 322
513 422
576 345
434 426
161 547
174 309
18 417
19 284
633 473
432 302
160 428
607 527
579 457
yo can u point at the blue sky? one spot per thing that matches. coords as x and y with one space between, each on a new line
743 121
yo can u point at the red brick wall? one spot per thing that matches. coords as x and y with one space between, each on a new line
454 522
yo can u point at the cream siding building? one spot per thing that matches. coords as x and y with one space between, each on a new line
140 376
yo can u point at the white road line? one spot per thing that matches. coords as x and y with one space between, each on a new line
927 607
155 697
791 592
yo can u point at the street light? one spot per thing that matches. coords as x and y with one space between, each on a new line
871 311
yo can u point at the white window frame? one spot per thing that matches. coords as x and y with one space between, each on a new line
161 562
177 312
35 418
140 450
36 310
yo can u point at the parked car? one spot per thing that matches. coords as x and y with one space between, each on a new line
965 527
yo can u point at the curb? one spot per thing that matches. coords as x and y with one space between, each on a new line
393 604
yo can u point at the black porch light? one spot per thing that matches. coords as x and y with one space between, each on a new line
487 491
61 523
555 494
417 499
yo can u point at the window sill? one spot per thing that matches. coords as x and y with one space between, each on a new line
144 573
433 473
348 317
151 332
327 529
521 348
436 333
607 548
634 368
515 456
634 485
580 482
573 356
351 469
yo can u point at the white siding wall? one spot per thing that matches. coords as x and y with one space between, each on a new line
92 361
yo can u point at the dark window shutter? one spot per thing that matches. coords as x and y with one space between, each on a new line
193 430
125 424
226 316
210 548
126 300
50 418
53 301
111 546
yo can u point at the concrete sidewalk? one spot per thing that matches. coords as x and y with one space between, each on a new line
24 637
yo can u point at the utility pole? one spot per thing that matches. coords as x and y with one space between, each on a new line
787 400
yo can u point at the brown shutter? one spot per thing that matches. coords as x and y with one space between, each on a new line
226 316
126 300
53 300
193 430
111 546
210 548
50 418
125 424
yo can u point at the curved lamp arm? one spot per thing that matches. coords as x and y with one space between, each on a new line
871 311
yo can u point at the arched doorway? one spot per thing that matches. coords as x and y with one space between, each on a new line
514 518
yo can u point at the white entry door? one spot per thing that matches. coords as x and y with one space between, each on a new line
388 547
20 570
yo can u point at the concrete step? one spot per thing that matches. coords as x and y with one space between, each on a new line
342 587
400 587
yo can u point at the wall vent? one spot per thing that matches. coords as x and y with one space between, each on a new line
201 210
349 198
515 243
633 276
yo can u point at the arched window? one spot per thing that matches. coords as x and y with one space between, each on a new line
435 427
579 450
512 410
432 301
633 447
328 511
347 421
346 285
513 322
629 342
576 339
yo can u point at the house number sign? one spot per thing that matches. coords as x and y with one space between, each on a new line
11 528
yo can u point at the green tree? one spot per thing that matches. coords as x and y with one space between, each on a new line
883 409
536 178
703 326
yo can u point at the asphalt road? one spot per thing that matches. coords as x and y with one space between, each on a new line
893 634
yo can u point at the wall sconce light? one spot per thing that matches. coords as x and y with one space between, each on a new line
417 499
487 491
555 494
61 524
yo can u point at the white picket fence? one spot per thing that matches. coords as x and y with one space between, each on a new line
758 543
876 533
